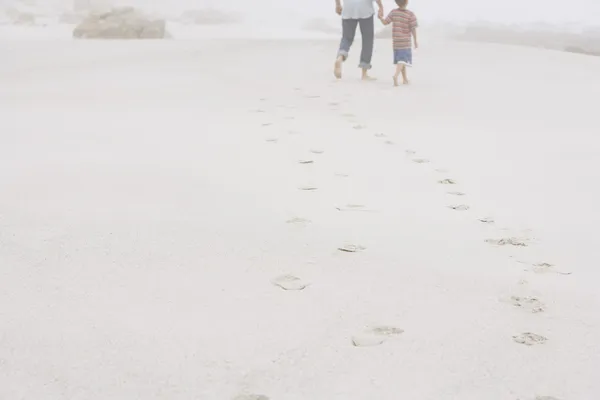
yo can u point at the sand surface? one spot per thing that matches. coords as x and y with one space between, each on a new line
214 218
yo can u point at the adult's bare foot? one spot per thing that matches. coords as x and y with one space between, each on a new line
365 75
337 69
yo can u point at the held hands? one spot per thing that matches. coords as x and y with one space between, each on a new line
380 13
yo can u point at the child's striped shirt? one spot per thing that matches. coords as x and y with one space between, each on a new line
403 22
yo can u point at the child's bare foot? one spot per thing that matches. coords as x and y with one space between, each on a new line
337 69
368 78
405 81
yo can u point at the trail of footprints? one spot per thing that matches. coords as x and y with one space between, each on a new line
378 335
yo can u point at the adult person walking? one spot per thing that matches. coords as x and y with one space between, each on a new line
361 13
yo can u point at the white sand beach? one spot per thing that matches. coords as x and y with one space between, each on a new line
153 194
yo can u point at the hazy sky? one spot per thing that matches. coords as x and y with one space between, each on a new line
551 11
587 11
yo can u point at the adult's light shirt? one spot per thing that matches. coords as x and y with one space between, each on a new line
357 9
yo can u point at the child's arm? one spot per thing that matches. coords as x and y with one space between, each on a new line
414 34
387 20
413 29
384 21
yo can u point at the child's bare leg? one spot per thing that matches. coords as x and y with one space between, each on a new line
397 74
404 77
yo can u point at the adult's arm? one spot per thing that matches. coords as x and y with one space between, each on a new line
380 5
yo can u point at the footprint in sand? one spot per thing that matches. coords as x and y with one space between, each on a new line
376 336
547 268
308 188
487 220
251 397
456 193
317 151
447 181
530 339
511 241
420 160
351 248
353 207
298 221
530 304
290 282
459 207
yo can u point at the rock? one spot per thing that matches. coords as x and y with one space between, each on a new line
19 17
121 23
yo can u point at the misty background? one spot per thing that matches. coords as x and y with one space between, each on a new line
574 13
570 26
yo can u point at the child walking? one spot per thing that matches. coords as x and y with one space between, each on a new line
404 28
